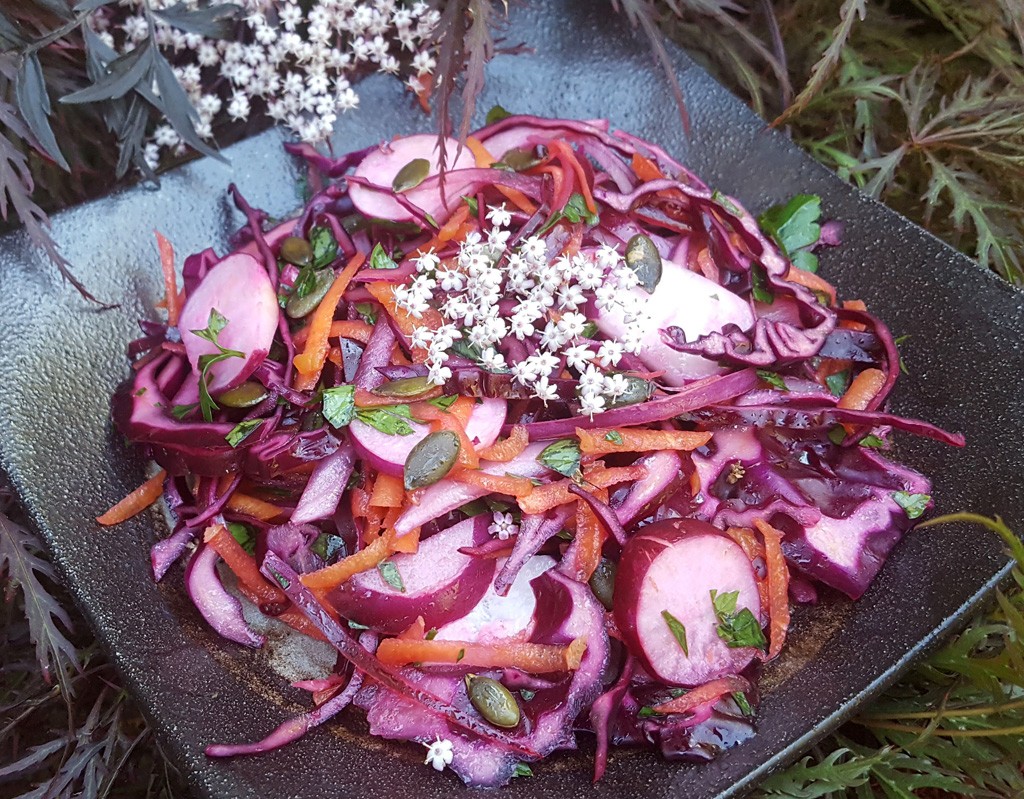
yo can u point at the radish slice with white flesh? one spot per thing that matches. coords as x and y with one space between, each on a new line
382 165
239 289
669 570
438 583
685 300
496 617
387 453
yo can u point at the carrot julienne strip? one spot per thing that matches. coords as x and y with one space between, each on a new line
703 693
253 506
862 390
530 657
545 497
136 502
172 297
778 587
337 573
602 441
495 483
502 451
242 566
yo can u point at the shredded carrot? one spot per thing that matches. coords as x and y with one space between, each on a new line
590 538
360 502
172 297
544 498
809 280
423 93
862 390
251 506
754 550
453 418
343 328
407 544
558 176
568 158
136 502
334 356
291 616
388 492
853 305
707 692
645 168
415 631
532 658
494 483
778 587
337 573
694 483
483 158
602 441
511 447
310 362
242 565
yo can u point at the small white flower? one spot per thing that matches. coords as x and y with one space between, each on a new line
551 338
571 297
439 375
591 379
534 249
607 296
608 257
616 385
544 363
522 326
499 216
591 404
503 526
439 754
524 372
492 360
589 276
578 356
609 353
290 15
421 337
572 324
544 390
451 280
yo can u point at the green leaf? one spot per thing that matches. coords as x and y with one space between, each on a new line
211 21
872 441
562 456
496 114
576 210
34 106
774 379
737 629
431 634
806 260
380 259
181 411
368 312
759 285
614 436
325 247
354 625
474 208
215 323
914 505
527 694
242 431
838 383
726 203
837 435
677 629
522 770
327 545
647 712
305 281
445 402
391 419
460 656
339 405
122 75
389 574
742 703
243 535
794 225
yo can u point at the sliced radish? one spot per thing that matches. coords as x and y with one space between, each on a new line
686 300
498 617
388 453
382 165
438 583
673 566
239 289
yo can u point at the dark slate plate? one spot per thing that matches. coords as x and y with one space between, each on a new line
61 359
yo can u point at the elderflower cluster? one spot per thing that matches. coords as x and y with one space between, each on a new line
292 61
493 295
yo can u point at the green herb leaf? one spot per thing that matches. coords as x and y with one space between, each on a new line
390 419
677 629
737 629
838 383
527 694
562 456
873 441
354 625
773 379
339 405
496 114
368 312
794 225
460 656
646 712
327 545
576 210
305 281
806 260
215 323
325 247
380 259
243 536
522 770
445 402
242 431
614 436
181 411
837 435
744 705
725 202
389 574
431 634
474 208
914 505
759 285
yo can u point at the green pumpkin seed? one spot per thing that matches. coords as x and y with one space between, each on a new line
297 251
431 459
411 175
244 396
493 701
602 582
519 159
643 258
298 307
404 387
637 390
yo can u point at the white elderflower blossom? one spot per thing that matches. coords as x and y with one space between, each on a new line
499 216
439 754
502 525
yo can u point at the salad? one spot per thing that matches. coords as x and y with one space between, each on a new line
541 444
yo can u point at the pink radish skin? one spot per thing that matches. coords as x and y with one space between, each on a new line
682 299
441 584
673 565
387 453
382 165
240 290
